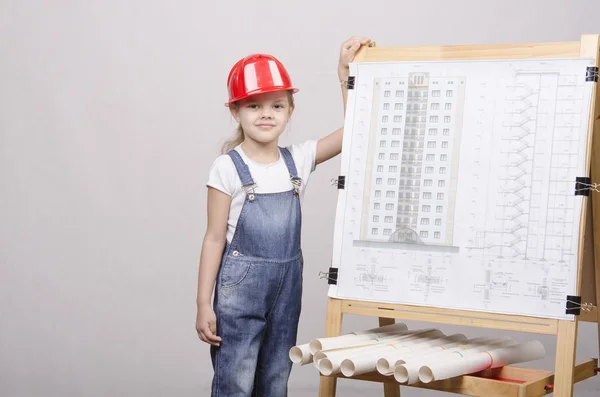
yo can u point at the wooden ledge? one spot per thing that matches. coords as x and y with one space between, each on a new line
507 381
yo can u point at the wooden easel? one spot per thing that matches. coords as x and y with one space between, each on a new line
507 381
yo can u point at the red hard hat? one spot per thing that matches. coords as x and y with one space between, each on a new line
257 74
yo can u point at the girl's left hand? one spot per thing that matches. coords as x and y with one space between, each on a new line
347 52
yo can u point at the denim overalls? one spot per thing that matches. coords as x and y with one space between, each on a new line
258 291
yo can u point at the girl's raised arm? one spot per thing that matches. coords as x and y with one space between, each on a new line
331 145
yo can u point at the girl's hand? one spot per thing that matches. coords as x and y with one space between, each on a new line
347 52
206 325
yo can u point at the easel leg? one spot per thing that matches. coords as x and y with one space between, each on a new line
595 218
333 327
596 237
565 358
389 389
590 44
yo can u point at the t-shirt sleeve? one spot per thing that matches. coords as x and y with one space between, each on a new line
305 155
221 175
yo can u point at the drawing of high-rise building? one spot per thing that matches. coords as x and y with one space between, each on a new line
413 159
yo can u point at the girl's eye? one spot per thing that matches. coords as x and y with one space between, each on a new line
253 106
279 106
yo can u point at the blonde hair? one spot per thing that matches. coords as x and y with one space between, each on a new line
232 143
239 132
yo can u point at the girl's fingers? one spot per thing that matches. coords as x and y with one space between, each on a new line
355 43
210 339
210 336
202 337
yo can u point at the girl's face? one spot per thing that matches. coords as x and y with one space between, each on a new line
263 117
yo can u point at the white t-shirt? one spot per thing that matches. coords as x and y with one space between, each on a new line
269 178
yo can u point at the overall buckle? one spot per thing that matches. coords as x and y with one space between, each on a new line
297 183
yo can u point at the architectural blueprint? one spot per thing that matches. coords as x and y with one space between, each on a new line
459 184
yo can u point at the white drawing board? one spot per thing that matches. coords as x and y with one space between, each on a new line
459 184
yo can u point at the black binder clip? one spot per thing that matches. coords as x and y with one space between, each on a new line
583 185
340 182
352 80
331 276
573 305
591 74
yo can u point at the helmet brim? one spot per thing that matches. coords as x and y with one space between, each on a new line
261 91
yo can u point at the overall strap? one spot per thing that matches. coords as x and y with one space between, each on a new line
291 166
244 173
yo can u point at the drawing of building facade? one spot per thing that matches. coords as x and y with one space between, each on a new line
413 157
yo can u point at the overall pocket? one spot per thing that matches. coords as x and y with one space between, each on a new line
234 272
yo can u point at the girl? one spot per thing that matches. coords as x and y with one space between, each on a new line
252 242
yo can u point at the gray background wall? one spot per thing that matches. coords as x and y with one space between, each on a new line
111 113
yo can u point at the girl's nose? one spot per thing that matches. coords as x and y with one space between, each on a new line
266 114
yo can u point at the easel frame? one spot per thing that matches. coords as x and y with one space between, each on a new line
506 381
